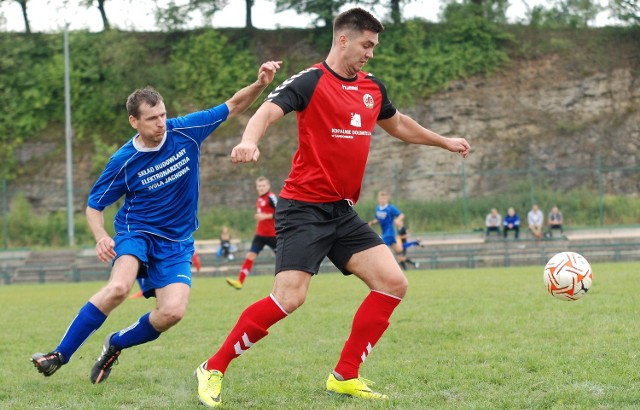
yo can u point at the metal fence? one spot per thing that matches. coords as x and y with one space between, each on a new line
596 187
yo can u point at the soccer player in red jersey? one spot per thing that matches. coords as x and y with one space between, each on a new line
337 107
265 229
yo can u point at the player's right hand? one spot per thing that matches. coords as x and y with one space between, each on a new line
245 152
105 249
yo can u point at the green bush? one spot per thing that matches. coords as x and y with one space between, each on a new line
208 70
416 59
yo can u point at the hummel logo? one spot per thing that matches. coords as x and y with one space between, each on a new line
365 354
350 87
247 344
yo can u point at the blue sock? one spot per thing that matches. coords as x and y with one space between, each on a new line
410 244
138 333
88 320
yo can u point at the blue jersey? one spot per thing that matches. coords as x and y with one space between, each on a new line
385 216
160 185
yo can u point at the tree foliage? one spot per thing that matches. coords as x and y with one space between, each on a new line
32 84
176 16
198 69
192 70
394 8
565 13
626 10
495 11
105 68
172 17
25 14
99 4
323 11
416 59
207 70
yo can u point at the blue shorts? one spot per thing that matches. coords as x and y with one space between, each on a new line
163 262
389 240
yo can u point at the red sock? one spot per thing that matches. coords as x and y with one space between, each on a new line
369 323
244 271
252 326
195 261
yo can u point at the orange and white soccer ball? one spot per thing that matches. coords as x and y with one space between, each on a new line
568 276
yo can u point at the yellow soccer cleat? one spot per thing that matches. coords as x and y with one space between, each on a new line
234 283
353 387
209 386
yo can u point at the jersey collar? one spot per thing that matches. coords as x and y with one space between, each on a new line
338 76
140 148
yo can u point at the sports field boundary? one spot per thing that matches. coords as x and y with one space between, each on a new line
438 251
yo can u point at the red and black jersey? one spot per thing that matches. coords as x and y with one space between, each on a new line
336 118
266 204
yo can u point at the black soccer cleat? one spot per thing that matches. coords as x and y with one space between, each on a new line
49 363
102 367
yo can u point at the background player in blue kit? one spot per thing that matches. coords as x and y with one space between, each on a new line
403 235
388 216
157 172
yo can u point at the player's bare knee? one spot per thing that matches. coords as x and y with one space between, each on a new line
173 318
169 317
117 291
397 285
291 302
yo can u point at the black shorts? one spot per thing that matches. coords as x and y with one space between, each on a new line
309 232
259 242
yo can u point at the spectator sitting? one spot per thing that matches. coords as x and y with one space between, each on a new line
555 221
511 223
535 219
493 222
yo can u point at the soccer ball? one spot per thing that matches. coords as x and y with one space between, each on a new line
568 276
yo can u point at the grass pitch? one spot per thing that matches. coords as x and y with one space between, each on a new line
461 339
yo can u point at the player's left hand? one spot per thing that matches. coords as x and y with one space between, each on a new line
459 145
245 152
267 72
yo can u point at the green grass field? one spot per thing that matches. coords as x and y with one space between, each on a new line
461 339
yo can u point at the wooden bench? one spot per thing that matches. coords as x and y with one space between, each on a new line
211 246
9 262
42 273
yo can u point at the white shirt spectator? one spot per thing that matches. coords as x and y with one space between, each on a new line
535 217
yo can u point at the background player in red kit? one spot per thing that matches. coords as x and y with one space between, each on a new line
337 107
265 229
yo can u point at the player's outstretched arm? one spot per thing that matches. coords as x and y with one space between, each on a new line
104 242
247 150
408 130
243 98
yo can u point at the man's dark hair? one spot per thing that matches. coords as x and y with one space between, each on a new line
147 95
357 19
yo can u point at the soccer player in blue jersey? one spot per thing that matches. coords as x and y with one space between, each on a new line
403 235
157 171
388 216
